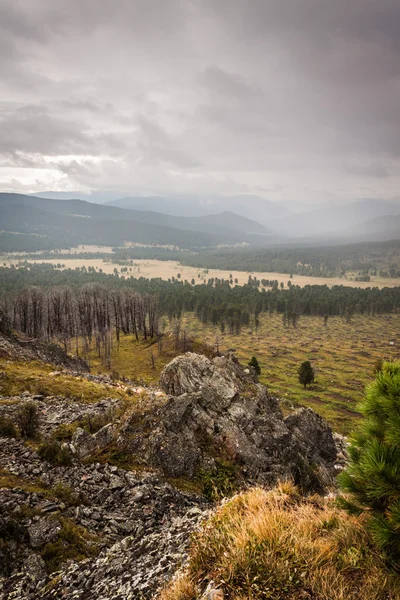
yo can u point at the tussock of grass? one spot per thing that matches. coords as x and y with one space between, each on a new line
10 481
277 545
52 451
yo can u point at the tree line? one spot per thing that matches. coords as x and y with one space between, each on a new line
375 258
86 315
216 301
362 260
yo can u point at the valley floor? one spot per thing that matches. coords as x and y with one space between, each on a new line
170 268
342 354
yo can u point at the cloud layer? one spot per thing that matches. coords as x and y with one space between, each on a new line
297 100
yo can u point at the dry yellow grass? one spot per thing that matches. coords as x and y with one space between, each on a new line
171 268
277 545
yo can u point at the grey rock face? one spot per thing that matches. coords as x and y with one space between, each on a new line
42 531
35 568
185 374
218 411
83 443
313 434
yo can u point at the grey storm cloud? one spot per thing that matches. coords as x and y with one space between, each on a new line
298 97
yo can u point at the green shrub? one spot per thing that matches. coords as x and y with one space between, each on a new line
7 427
65 431
66 494
28 421
73 543
224 482
372 478
55 453
92 423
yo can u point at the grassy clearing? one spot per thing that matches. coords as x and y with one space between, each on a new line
166 269
133 359
277 545
38 378
342 354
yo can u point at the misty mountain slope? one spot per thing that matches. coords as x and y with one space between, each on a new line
336 220
225 224
380 228
97 196
250 207
73 229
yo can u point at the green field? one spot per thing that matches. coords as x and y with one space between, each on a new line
342 354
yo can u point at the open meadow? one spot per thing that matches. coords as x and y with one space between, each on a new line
343 355
167 269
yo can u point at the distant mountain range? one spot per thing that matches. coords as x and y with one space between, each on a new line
77 221
216 220
184 205
346 221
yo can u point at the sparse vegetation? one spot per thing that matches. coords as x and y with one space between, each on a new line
281 546
73 543
36 377
221 484
66 494
7 427
27 419
92 423
55 452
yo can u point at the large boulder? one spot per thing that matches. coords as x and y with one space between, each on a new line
42 531
218 415
84 443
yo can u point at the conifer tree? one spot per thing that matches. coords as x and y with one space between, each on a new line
372 478
254 363
306 373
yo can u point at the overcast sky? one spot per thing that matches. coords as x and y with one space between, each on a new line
292 100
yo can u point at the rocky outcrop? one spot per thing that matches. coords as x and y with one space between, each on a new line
212 417
141 523
217 414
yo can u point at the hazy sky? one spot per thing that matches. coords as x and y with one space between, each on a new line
287 99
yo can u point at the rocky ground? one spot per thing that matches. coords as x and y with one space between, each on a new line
84 528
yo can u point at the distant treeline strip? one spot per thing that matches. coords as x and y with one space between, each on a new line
215 301
378 258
